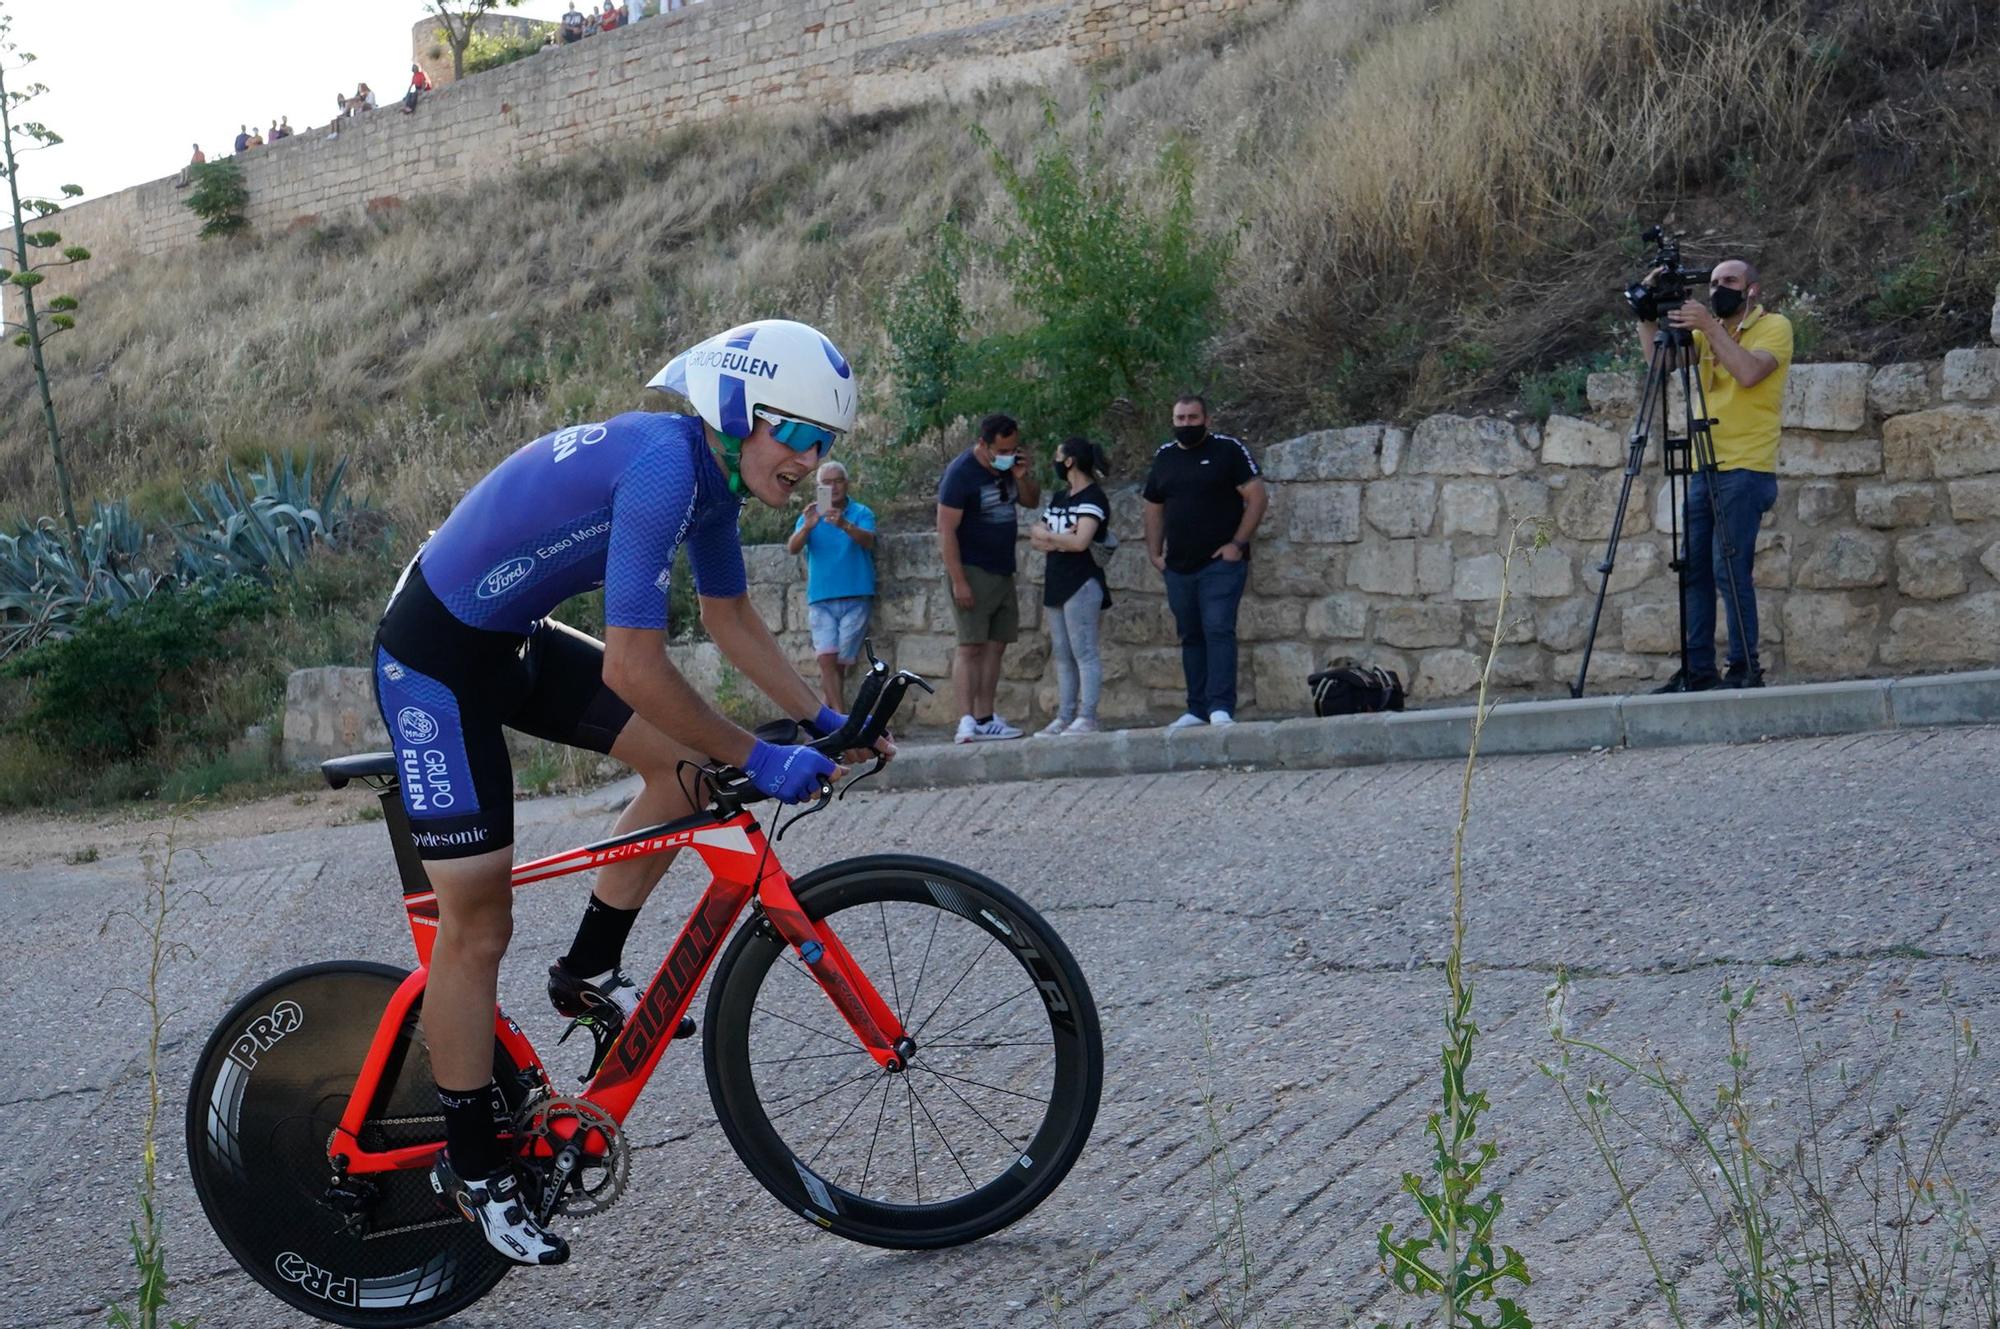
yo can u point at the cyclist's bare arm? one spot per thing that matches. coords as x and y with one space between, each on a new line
736 628
637 668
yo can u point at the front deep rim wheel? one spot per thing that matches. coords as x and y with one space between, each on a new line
997 1101
267 1093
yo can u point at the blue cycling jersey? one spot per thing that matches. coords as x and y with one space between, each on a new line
586 506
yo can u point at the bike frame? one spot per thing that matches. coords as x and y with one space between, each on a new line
739 857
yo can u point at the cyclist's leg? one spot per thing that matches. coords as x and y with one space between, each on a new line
569 703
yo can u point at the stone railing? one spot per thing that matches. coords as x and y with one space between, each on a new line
1384 543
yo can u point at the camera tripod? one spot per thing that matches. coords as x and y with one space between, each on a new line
1682 457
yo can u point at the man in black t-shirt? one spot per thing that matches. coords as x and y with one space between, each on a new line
1204 499
977 517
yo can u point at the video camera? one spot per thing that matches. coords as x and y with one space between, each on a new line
1673 285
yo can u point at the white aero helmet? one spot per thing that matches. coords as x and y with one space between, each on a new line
788 369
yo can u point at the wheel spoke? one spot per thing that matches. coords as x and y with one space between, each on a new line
982 1014
870 1073
941 1138
837 1129
904 1015
991 942
880 1114
963 1079
1016 1147
889 948
803 1056
844 1042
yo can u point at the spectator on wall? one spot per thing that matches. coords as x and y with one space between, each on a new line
273 134
977 517
256 139
362 100
838 539
420 83
608 19
1204 499
186 176
572 27
242 137
1074 592
285 127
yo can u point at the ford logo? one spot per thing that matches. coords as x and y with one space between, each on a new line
504 577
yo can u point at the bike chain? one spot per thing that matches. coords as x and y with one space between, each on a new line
575 1184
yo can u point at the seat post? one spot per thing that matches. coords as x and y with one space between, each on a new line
409 866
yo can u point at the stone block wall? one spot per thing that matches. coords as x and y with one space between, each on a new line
1384 542
429 49
712 59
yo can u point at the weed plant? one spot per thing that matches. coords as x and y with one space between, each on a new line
1801 1239
147 1235
1448 1253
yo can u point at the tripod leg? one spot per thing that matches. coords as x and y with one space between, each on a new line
1654 393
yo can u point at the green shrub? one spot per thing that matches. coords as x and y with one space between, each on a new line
1114 292
219 197
490 50
108 691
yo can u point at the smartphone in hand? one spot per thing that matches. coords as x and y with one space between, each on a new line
825 498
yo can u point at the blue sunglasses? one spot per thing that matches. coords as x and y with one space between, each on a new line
798 435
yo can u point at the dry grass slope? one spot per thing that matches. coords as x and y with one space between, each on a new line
1430 198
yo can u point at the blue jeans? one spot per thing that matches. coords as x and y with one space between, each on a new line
1715 555
1204 605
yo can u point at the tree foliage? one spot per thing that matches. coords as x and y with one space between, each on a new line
1113 290
219 197
461 19
34 330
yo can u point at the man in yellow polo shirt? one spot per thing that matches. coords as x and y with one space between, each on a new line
1745 352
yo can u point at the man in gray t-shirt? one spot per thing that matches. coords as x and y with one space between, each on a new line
977 514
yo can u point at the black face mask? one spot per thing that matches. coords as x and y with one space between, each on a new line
1726 301
1189 436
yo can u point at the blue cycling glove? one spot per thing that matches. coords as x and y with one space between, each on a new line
828 721
788 774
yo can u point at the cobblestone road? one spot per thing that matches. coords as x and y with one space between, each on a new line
1272 938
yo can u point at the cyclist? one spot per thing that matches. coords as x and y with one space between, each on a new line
465 648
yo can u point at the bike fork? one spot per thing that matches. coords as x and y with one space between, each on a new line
823 955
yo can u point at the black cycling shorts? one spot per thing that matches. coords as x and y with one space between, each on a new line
445 691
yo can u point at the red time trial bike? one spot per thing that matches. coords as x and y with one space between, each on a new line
900 1049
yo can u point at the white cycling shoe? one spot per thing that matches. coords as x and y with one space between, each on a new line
500 1209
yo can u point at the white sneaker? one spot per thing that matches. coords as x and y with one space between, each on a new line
995 728
1080 725
1053 727
1221 717
497 1206
968 729
1187 718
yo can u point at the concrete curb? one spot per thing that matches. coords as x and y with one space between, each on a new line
1803 710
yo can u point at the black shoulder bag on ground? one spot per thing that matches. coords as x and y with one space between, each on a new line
1347 688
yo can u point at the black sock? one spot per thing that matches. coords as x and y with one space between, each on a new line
600 939
982 719
471 1130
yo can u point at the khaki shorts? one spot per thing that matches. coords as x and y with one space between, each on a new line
994 615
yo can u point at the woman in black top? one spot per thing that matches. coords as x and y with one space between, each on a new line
1073 592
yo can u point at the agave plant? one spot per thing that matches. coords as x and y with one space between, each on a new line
266 532
42 590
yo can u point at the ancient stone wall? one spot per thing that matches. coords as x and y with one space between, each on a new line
429 48
708 60
1384 542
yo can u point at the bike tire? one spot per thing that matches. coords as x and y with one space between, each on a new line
257 1139
1020 1151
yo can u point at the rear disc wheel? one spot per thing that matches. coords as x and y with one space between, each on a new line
268 1092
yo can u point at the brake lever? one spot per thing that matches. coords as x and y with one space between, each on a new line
881 760
819 805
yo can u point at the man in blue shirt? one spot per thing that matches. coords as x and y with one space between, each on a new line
839 546
466 648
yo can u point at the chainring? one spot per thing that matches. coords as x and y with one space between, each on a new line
598 1180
